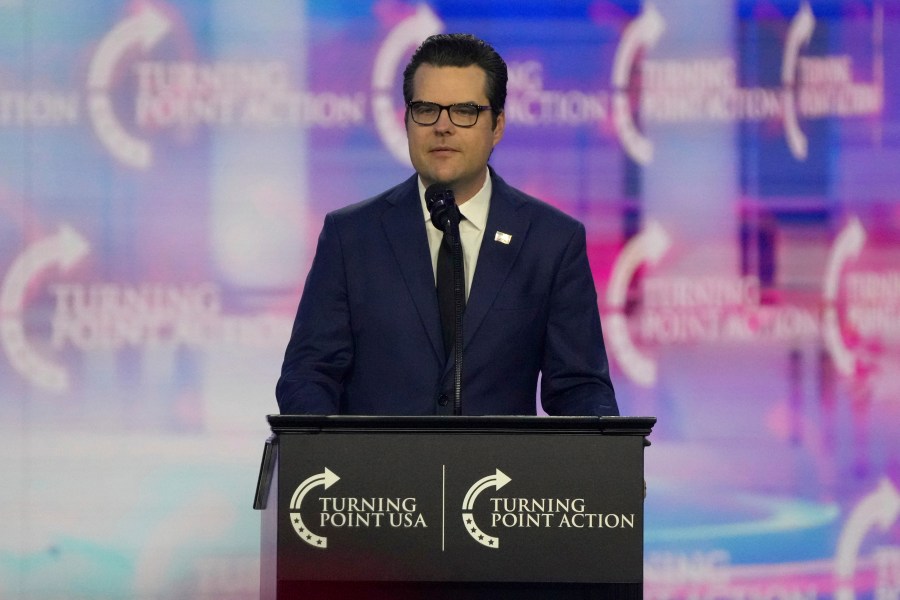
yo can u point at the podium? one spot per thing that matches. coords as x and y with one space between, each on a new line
452 507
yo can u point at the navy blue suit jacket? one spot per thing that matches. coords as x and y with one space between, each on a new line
367 336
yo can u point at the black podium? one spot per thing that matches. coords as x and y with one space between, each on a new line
453 507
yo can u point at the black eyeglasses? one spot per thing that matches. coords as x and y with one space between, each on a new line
461 115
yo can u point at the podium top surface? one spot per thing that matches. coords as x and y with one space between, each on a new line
480 424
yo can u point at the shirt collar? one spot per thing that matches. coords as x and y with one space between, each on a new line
475 209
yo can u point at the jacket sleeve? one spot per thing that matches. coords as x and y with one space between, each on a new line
320 350
575 371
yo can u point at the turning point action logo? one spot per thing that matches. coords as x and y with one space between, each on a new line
184 94
707 89
110 316
680 309
533 513
688 309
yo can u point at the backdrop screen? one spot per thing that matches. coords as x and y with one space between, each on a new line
165 168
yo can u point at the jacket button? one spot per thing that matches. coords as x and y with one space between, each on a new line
443 399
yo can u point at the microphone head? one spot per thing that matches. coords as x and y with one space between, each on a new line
438 201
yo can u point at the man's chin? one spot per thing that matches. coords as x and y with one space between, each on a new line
445 182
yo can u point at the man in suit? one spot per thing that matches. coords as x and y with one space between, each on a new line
368 339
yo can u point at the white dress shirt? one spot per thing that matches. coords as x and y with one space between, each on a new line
471 230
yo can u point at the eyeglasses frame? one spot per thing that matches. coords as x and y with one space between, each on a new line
441 108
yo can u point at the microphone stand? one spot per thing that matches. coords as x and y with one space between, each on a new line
459 304
445 216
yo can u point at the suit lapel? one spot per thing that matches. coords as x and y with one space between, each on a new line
404 226
495 258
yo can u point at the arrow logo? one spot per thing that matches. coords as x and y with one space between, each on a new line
847 247
408 34
325 478
64 249
880 509
799 34
648 247
498 480
144 29
641 34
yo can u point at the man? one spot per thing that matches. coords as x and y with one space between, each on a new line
367 338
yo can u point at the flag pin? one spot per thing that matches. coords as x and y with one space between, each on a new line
503 238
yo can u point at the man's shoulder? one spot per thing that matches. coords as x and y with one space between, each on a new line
402 192
540 211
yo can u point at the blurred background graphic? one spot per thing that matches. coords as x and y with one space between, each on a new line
165 167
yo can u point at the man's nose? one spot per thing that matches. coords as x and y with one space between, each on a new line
444 123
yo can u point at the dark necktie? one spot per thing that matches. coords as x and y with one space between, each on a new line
445 293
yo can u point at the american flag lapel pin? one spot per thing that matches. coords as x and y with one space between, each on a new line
503 238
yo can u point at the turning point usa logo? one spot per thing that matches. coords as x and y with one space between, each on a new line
347 512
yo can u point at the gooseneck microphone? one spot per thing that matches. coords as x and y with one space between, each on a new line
451 291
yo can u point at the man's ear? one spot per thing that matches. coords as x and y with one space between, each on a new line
499 127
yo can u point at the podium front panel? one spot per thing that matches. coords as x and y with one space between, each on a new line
518 506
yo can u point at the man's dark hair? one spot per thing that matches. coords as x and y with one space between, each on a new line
460 50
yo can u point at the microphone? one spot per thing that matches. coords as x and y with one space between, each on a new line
441 203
